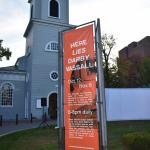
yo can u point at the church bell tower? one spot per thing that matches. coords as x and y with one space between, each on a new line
47 19
50 10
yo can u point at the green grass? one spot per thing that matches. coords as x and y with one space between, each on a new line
33 139
47 138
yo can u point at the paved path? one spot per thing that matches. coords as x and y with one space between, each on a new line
11 127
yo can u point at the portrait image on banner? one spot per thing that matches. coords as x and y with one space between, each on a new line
80 113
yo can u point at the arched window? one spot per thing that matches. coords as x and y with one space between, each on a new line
6 94
54 8
52 46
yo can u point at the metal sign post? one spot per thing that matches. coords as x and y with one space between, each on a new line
101 89
60 93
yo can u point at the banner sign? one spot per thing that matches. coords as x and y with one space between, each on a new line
80 113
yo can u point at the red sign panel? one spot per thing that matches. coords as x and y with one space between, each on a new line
80 117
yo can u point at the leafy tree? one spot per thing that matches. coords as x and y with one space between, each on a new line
108 42
4 52
122 74
144 73
134 72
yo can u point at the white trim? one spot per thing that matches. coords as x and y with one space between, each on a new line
49 43
5 82
58 10
52 51
51 77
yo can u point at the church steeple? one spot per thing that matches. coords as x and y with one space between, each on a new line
50 10
47 19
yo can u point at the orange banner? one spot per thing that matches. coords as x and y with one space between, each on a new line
80 113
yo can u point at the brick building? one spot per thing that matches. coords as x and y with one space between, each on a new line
140 49
131 60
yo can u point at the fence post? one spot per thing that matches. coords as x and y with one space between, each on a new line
31 118
16 119
1 120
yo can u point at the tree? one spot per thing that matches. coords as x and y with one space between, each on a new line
134 72
122 74
4 52
108 42
144 73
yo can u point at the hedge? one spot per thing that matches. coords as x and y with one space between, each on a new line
136 141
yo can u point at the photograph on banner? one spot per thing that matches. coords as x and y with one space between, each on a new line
80 113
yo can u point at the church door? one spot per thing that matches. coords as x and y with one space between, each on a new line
53 106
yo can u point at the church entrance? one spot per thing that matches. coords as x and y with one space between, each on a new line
52 110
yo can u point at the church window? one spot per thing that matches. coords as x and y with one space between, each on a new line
53 8
52 46
6 94
54 75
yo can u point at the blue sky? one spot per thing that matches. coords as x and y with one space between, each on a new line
127 20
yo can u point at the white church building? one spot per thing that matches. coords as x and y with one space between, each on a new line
35 75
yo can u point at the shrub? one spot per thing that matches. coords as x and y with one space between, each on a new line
136 141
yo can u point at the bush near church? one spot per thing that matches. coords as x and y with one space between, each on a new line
136 141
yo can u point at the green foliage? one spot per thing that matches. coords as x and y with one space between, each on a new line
108 42
116 130
122 74
136 141
4 52
134 72
144 73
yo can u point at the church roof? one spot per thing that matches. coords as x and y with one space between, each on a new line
11 69
34 20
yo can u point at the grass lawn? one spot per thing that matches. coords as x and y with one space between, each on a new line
47 138
33 139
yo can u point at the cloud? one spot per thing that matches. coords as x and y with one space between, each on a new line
127 20
14 19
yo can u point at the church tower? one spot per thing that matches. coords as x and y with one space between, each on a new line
47 19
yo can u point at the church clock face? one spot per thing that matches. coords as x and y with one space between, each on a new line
54 75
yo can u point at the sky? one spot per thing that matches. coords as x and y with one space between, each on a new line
127 20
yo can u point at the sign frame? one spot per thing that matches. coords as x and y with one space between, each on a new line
101 96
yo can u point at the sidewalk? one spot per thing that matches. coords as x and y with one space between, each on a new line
11 127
